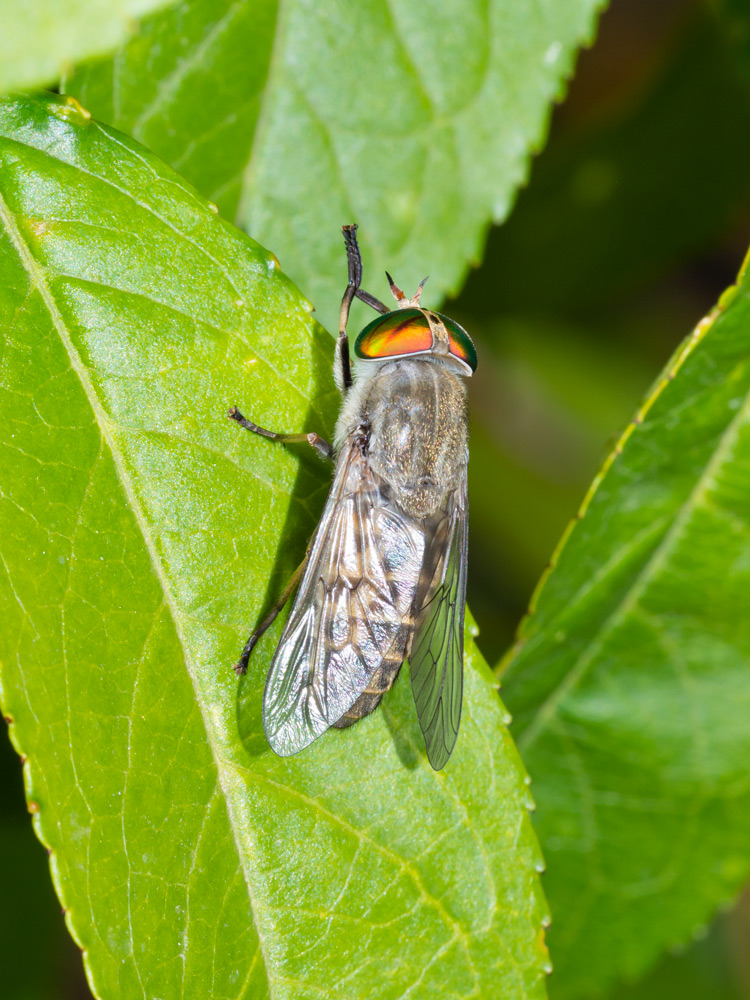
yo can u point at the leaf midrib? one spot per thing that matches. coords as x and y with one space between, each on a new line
37 277
548 707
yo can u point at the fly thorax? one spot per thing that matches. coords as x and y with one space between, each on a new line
417 444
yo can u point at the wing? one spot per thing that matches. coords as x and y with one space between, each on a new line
437 655
354 607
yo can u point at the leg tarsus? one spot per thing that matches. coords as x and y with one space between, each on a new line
240 666
234 414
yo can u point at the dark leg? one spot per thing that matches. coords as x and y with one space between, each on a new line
370 300
241 666
354 260
314 440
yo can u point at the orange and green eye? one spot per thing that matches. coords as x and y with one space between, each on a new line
461 345
398 333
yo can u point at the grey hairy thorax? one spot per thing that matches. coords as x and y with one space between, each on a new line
417 439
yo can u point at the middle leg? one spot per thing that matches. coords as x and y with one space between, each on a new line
320 445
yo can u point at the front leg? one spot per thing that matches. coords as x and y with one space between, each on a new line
342 368
320 445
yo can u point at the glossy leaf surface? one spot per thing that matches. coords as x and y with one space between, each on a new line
413 119
40 39
141 534
629 683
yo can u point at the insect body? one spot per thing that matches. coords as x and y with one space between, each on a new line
384 579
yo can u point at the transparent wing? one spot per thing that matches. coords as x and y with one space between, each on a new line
437 655
354 608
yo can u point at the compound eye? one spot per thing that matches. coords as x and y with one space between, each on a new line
461 345
395 335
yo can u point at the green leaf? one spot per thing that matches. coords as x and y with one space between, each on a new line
629 683
40 40
413 119
142 533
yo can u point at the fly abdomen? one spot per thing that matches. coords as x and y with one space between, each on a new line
382 680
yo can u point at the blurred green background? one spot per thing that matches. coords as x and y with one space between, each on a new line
636 217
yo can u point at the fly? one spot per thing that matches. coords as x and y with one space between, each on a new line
384 577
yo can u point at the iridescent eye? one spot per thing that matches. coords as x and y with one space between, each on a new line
398 333
461 343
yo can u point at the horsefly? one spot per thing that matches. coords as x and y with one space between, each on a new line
384 578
